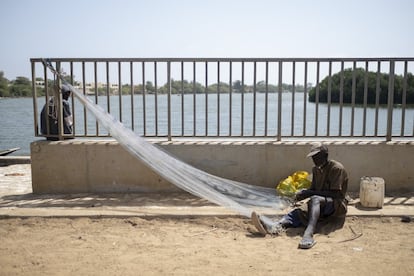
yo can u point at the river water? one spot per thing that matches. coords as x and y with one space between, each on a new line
17 122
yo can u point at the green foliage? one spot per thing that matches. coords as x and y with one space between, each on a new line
21 87
371 95
178 87
222 88
237 86
261 87
149 87
126 89
4 85
186 87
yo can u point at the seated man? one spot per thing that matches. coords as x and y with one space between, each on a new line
50 110
326 198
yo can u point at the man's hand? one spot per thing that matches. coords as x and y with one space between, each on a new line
302 194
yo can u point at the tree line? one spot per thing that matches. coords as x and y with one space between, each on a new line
187 87
22 87
359 96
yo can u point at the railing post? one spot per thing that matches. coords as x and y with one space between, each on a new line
390 100
120 90
144 102
34 93
131 71
305 94
317 98
58 95
279 103
242 101
85 112
169 99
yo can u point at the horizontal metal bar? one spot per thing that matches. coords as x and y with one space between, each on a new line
332 59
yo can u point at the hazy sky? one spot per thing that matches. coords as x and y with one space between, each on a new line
209 28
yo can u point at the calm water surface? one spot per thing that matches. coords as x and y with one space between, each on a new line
17 123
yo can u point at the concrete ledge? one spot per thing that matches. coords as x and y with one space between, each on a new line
12 160
90 166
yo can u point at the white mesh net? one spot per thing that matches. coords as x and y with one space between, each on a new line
237 196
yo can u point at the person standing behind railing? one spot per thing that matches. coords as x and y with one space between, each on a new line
51 110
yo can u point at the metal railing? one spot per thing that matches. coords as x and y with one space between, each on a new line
240 97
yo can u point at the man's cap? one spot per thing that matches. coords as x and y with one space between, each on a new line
64 88
317 148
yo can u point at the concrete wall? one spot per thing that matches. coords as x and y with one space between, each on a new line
79 166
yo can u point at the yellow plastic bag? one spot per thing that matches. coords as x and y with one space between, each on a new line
293 183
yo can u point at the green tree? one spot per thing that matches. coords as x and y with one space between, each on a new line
359 96
149 87
224 88
126 89
21 87
198 88
4 85
237 86
178 87
261 87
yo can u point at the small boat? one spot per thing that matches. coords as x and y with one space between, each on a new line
8 151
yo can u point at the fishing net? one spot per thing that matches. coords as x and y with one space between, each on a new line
237 196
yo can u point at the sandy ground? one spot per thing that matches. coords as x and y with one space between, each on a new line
151 242
210 245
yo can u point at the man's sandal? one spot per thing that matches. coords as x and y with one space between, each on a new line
306 243
258 224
